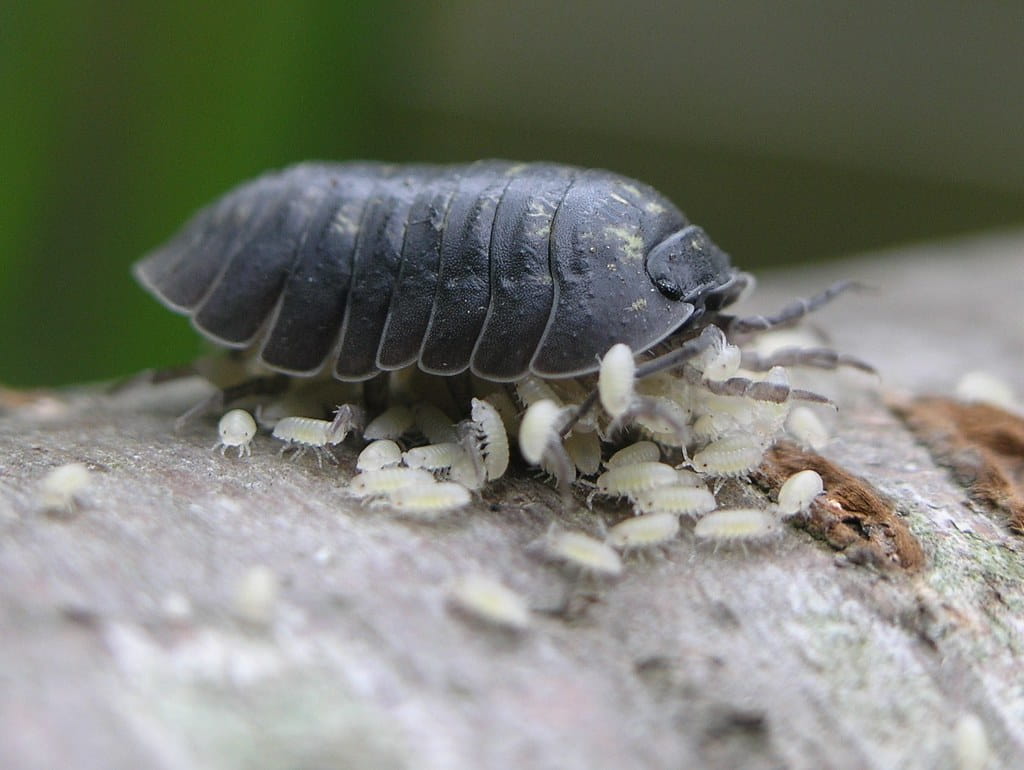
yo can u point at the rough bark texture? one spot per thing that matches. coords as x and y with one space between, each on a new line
789 655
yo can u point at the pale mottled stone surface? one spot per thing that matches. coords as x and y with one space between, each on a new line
783 657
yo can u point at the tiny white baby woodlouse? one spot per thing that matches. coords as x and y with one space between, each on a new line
60 489
392 423
971 744
378 454
302 433
629 480
488 600
492 437
236 429
583 552
433 457
729 457
384 482
256 596
429 501
640 452
615 380
643 531
540 441
807 428
435 425
799 491
735 525
585 451
677 499
980 387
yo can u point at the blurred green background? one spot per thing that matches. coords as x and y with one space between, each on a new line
793 132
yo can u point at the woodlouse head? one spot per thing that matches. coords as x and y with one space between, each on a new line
687 265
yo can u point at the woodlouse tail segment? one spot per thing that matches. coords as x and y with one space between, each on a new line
791 313
818 358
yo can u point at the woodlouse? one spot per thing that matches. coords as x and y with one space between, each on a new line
367 267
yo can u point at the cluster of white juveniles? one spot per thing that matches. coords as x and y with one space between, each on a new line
663 439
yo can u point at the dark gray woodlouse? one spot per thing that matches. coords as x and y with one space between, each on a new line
505 269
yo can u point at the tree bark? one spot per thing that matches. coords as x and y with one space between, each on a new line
122 645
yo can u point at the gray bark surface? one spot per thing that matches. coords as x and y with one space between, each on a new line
786 655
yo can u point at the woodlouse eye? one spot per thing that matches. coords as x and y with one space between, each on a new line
687 265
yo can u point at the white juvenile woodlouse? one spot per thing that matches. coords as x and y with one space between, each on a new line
60 490
735 525
236 429
492 437
643 531
487 599
629 480
688 500
640 452
392 423
807 428
378 454
302 433
583 552
799 491
429 501
384 482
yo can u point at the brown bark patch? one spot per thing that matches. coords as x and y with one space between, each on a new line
851 516
982 445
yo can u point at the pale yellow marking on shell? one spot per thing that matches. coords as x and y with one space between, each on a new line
391 423
735 524
632 242
386 480
644 531
677 499
379 454
628 480
428 501
256 596
491 601
638 305
61 488
799 491
585 552
236 429
640 452
615 379
653 207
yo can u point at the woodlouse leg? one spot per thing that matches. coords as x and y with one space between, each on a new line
258 386
790 313
762 390
819 358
